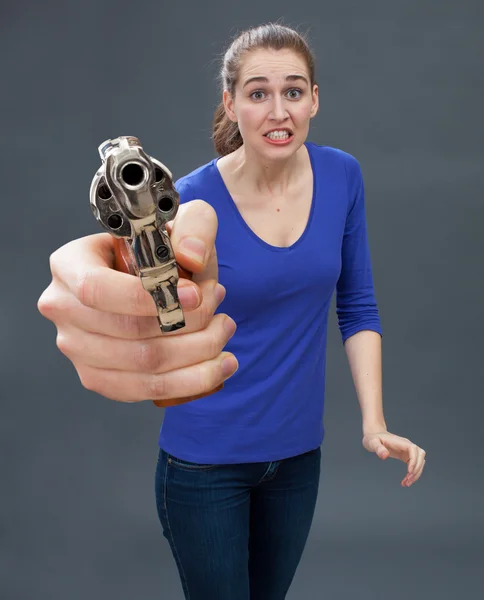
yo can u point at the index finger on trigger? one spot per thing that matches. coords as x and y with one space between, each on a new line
86 268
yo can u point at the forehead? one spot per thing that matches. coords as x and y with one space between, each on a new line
273 64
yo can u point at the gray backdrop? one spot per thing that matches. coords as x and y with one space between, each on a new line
401 87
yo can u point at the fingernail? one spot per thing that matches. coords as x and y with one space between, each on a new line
230 327
229 366
194 248
188 296
220 292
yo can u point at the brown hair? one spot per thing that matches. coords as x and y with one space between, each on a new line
272 36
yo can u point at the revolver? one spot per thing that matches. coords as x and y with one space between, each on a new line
133 197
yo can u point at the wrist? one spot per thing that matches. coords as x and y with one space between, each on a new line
374 427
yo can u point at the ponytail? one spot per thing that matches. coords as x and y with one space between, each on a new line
226 135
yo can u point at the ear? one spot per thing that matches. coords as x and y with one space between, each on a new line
229 106
315 105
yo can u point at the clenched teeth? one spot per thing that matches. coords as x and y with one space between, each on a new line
278 135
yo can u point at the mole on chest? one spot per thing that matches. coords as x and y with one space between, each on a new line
278 222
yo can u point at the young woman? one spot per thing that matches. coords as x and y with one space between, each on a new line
238 470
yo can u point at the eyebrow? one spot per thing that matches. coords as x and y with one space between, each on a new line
265 80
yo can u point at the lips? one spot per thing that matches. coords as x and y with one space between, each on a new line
286 129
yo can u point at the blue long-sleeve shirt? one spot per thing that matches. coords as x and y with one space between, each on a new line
272 407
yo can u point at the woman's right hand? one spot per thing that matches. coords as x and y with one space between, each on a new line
107 326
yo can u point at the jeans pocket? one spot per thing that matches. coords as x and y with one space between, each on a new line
187 465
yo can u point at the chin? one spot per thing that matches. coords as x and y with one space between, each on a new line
275 152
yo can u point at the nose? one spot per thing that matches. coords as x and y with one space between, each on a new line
278 109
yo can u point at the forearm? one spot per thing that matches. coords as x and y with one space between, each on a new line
364 353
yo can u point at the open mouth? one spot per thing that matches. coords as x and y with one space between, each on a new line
279 135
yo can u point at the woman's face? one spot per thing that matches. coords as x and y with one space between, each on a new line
273 94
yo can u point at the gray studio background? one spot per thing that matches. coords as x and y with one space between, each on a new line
401 87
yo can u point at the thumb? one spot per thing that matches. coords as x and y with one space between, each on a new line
194 230
379 449
382 452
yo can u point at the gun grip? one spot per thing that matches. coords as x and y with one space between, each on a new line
123 263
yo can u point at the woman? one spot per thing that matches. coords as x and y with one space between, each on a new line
238 471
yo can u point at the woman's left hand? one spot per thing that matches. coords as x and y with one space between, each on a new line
386 444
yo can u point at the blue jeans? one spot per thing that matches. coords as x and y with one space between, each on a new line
237 531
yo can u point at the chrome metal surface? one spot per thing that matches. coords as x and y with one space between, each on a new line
133 197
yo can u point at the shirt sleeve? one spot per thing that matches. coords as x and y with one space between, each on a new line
356 306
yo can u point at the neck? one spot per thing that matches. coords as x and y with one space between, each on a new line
266 177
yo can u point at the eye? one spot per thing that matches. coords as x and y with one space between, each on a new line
295 90
253 95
